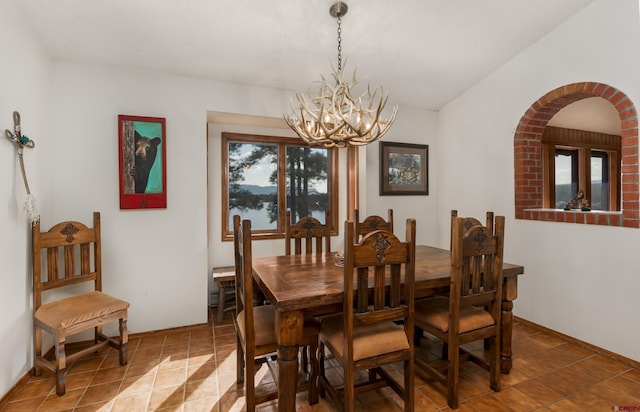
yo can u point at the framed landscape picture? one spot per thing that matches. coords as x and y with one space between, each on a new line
404 169
142 162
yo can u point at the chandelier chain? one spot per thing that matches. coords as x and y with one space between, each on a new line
339 44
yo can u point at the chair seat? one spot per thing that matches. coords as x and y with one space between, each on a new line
67 312
368 340
264 318
435 312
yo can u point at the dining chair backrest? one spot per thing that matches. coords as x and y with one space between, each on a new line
371 223
244 280
476 263
382 260
308 235
469 222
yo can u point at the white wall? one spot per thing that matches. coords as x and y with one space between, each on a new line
156 259
581 280
24 87
411 126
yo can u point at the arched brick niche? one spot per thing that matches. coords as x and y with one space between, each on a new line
528 157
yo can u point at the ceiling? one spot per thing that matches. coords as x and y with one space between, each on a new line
424 52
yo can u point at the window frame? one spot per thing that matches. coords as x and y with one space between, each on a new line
282 142
558 138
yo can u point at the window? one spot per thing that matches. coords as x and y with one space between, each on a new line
265 175
579 160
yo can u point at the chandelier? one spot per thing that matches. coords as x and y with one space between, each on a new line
331 114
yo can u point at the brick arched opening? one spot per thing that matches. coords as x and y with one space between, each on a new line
528 157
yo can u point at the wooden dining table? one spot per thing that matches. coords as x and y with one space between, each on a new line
312 284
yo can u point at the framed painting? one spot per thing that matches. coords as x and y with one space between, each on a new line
404 169
142 153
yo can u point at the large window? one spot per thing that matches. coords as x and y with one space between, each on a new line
579 160
265 175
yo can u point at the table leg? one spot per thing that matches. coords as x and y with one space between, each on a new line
505 337
289 327
509 294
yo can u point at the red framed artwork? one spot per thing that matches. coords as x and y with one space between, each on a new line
142 162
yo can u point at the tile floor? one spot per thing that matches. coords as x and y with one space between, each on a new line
193 369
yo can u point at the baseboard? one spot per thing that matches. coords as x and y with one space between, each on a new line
5 399
600 351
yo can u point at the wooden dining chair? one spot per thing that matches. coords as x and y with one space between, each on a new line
256 329
371 223
473 309
64 256
307 235
366 335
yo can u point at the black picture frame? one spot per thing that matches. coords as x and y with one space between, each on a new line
404 169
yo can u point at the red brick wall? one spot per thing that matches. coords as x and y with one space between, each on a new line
527 149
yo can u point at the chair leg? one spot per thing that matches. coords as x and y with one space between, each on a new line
305 359
453 376
494 364
417 334
408 385
349 389
61 366
221 299
313 375
249 381
321 373
124 342
37 346
239 362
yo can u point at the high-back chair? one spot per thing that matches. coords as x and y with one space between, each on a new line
255 326
472 310
371 223
366 335
307 235
68 254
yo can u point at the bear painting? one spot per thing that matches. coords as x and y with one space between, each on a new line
146 150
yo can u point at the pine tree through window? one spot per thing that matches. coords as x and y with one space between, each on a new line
265 175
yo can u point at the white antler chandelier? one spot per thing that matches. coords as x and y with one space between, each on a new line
330 114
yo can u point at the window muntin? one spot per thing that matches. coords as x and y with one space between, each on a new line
265 175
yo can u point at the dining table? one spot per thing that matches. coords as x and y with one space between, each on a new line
312 284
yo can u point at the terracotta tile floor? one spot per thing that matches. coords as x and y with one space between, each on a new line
193 369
